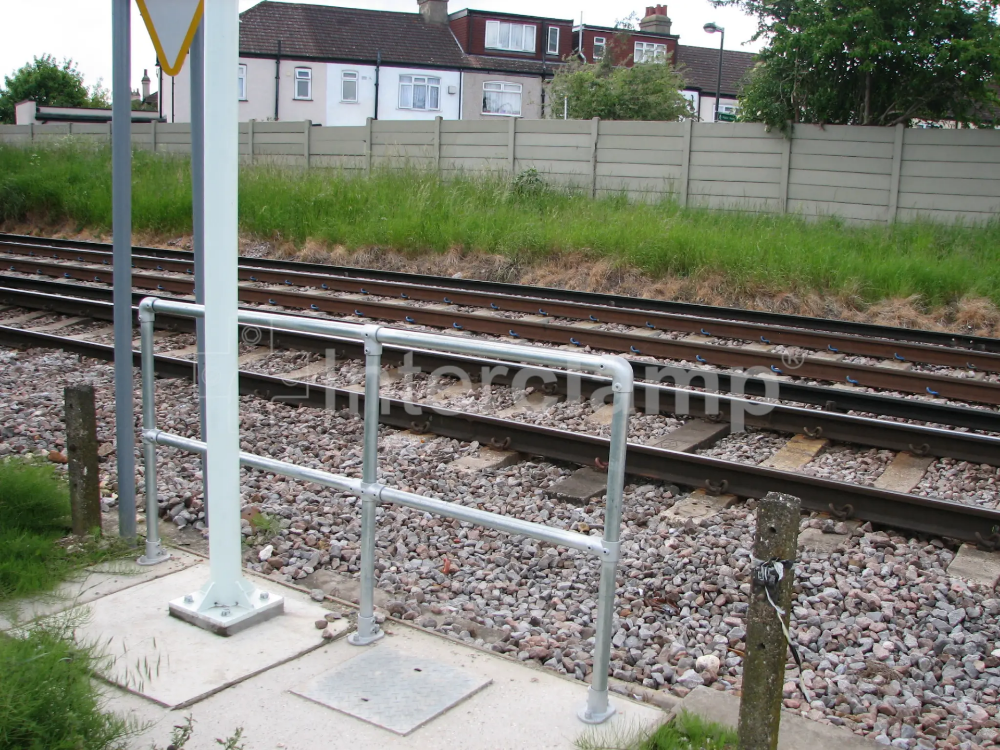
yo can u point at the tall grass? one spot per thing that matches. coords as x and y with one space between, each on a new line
416 212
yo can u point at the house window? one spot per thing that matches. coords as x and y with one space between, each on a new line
242 85
303 83
599 45
419 92
553 48
650 52
349 86
516 37
502 99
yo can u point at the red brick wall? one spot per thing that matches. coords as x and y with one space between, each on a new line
626 52
471 34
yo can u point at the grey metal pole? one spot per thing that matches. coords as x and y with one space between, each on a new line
154 552
121 217
718 80
598 708
198 220
368 631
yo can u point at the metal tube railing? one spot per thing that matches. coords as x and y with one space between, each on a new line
154 549
371 492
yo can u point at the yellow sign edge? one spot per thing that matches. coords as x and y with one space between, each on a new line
165 66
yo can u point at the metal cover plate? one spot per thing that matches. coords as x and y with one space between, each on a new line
392 690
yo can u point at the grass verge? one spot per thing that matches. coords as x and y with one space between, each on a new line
416 212
685 732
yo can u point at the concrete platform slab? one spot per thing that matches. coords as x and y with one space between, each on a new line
487 459
99 581
904 472
177 664
700 504
796 453
692 435
522 709
976 566
796 732
580 486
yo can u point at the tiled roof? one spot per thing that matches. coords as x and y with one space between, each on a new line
324 31
700 67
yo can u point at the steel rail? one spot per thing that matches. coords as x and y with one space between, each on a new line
553 333
650 320
95 304
897 510
941 338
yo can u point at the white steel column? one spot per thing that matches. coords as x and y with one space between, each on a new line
228 602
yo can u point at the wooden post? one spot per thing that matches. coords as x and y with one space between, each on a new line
511 138
786 164
897 164
81 449
595 128
682 192
776 538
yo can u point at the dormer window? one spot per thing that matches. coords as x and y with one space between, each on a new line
513 37
553 48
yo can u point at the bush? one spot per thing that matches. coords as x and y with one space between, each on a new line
34 497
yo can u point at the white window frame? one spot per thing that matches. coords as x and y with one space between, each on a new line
241 74
505 88
432 84
303 75
602 42
649 52
524 31
548 49
349 76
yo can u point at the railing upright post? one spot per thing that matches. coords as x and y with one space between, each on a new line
154 550
368 630
598 709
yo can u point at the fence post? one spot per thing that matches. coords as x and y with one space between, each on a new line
81 449
250 141
31 132
368 147
307 142
786 164
776 538
682 193
595 127
511 137
897 163
152 136
437 144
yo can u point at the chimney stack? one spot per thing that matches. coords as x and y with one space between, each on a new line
434 11
656 20
145 85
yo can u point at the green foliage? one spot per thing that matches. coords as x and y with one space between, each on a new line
611 91
686 731
873 62
415 212
48 699
48 82
34 497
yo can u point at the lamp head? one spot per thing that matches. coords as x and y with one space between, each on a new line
712 28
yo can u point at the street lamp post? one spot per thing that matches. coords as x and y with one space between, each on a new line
712 28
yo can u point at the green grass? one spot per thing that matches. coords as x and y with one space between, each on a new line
685 732
415 213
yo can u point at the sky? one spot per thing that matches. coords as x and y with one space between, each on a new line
81 29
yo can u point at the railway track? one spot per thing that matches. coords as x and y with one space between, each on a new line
437 308
885 506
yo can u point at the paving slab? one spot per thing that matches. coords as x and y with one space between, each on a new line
96 582
580 486
796 732
177 664
976 566
699 504
692 435
523 708
814 540
487 459
904 472
796 453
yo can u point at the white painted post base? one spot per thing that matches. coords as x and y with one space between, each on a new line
202 609
598 709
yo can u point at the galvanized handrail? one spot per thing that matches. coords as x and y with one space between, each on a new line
371 492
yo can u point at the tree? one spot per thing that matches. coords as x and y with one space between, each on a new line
872 62
645 91
48 83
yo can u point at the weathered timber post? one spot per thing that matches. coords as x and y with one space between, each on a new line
81 449
776 539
